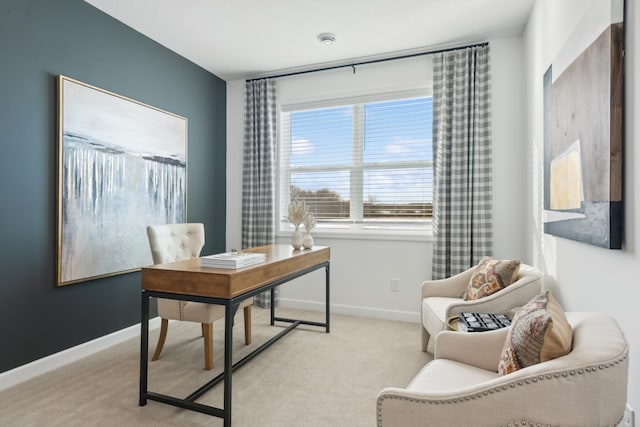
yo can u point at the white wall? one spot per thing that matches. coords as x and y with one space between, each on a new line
361 270
584 277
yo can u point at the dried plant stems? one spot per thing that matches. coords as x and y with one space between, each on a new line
297 213
309 222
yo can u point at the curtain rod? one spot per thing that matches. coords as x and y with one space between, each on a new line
372 61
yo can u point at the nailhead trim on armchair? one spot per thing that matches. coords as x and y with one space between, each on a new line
517 383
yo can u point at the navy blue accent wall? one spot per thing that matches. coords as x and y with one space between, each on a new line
40 39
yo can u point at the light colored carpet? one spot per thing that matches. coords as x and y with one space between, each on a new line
308 378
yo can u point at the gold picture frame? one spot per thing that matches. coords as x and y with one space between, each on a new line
122 165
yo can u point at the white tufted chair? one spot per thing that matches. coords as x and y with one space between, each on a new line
442 301
461 386
174 242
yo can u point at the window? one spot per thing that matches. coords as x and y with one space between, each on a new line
359 165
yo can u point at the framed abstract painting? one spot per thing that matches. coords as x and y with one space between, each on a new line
583 131
121 166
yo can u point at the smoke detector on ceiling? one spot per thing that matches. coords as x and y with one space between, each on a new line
327 39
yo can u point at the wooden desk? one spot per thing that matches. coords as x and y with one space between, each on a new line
187 280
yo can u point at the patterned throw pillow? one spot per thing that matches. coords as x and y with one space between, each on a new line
490 276
539 332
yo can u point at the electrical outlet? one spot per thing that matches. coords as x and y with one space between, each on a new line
395 285
628 419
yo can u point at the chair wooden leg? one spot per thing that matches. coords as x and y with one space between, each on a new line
247 325
207 329
164 325
424 338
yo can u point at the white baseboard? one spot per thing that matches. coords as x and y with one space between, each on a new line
352 310
57 360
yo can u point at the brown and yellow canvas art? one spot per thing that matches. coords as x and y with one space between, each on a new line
583 131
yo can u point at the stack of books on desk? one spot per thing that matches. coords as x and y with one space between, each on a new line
232 260
480 322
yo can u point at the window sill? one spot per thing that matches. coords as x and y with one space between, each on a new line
387 235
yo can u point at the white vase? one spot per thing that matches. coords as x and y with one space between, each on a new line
307 242
296 238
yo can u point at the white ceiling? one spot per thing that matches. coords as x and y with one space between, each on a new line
237 39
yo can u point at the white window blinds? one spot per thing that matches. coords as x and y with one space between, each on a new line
364 163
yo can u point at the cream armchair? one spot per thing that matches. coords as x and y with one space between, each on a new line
442 299
461 387
174 242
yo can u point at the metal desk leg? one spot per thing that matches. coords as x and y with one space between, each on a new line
144 348
228 361
327 297
273 305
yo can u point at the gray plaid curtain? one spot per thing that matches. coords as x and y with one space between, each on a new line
462 199
258 176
